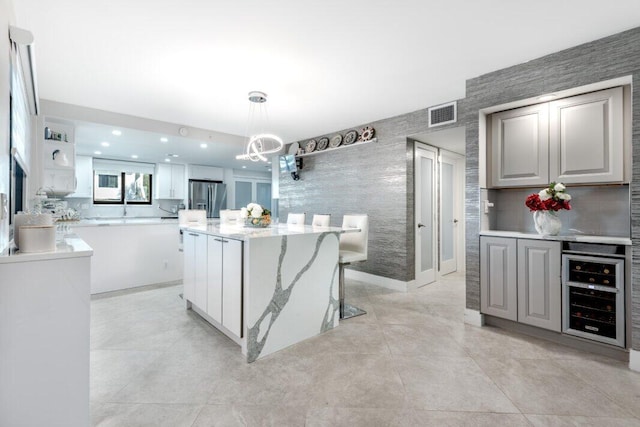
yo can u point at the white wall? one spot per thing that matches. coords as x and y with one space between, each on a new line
6 18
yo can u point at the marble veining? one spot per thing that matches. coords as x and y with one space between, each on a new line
333 309
256 339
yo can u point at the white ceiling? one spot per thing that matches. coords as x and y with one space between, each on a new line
326 65
97 140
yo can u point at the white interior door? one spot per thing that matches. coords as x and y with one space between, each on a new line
450 186
425 210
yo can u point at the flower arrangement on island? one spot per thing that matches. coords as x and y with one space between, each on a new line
255 215
552 198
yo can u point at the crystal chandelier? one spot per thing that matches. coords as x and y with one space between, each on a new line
260 143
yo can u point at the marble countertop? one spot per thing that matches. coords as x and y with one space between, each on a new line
119 221
70 246
562 237
240 232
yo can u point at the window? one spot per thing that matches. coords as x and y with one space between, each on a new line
116 181
108 188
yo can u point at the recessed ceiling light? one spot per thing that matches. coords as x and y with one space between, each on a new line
104 144
546 98
116 132
134 156
203 145
97 152
244 167
163 139
167 160
269 169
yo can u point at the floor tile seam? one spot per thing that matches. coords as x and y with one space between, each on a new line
496 385
147 368
198 414
417 409
630 415
611 398
583 416
386 341
395 370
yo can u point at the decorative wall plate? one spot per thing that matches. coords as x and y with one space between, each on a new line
336 140
311 146
367 133
322 144
350 137
293 148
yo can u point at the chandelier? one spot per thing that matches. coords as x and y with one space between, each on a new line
260 143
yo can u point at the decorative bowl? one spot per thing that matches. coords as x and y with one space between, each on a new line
262 222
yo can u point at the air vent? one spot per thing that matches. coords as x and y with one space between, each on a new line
442 114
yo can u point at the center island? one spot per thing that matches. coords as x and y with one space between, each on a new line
265 288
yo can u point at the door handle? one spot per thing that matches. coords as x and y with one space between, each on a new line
420 225
455 221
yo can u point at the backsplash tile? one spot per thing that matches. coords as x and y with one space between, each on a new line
595 210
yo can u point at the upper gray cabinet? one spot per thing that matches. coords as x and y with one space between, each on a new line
575 140
520 147
586 138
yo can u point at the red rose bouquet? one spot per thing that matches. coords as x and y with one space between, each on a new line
552 198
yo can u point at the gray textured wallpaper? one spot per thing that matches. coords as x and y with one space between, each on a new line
377 179
374 178
604 59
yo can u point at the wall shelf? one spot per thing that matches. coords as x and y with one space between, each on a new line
326 150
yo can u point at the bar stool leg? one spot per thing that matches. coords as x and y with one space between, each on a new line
347 311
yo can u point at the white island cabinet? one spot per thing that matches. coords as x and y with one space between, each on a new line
44 336
267 288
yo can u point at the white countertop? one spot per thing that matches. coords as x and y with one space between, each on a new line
71 246
240 232
118 221
568 237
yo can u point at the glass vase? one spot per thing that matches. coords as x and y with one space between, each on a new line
547 222
262 222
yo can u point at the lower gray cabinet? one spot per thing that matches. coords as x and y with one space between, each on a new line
498 292
520 280
539 286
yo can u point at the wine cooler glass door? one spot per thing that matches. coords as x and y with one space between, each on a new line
593 295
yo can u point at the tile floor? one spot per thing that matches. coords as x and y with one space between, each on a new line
410 361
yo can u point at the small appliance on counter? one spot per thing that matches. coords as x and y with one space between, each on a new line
34 232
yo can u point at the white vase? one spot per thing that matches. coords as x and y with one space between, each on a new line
547 222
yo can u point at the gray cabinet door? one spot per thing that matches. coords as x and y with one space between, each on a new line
539 289
586 140
520 147
498 283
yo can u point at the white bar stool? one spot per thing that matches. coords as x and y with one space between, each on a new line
321 220
296 218
353 248
229 216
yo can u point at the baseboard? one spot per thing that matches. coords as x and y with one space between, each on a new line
384 282
473 317
634 360
578 343
133 289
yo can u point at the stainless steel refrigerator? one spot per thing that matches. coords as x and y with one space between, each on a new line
208 195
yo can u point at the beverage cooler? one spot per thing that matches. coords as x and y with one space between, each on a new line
593 288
